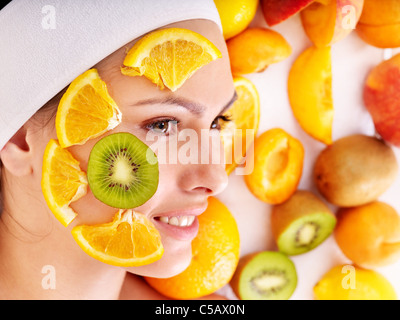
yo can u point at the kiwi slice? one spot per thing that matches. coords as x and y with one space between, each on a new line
266 275
301 223
122 171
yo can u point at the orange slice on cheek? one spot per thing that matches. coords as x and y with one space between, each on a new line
62 181
130 240
86 110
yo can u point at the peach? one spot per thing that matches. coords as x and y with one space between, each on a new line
369 235
310 92
349 282
278 164
328 21
382 98
276 11
254 49
379 24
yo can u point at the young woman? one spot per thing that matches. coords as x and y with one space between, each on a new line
33 243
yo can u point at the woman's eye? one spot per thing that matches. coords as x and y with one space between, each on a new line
165 127
219 122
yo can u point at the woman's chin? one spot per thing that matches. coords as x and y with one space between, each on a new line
174 261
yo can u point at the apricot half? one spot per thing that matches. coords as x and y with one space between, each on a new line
369 235
382 98
379 24
310 92
348 282
278 164
328 21
254 49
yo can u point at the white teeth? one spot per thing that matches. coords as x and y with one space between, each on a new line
164 219
183 221
173 221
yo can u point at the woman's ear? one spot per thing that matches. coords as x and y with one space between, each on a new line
16 154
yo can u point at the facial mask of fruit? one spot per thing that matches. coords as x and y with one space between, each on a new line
122 173
63 181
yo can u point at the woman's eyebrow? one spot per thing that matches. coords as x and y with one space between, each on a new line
192 106
230 103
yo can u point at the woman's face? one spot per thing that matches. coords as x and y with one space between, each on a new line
161 114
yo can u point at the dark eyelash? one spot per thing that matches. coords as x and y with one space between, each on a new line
225 118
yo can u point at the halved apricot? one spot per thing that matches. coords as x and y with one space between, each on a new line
310 92
326 22
278 164
254 49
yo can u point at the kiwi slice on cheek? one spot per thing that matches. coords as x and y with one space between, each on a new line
122 171
264 275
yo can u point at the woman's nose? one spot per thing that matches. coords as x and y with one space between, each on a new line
207 175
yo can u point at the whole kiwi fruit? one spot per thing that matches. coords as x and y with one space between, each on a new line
355 170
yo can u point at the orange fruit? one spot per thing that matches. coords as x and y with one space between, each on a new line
235 15
278 163
168 57
245 114
86 110
62 181
215 254
130 240
254 49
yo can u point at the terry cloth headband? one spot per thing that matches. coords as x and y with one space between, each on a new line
45 44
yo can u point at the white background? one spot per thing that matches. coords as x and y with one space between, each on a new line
352 59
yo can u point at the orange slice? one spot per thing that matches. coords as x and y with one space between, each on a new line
245 113
62 181
310 92
86 110
168 57
130 240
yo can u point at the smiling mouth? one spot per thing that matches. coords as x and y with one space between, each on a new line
177 221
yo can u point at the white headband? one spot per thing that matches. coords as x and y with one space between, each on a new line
45 44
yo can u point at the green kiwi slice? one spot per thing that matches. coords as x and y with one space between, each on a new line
266 275
301 223
122 171
306 233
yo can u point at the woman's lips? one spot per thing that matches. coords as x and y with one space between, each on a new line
181 225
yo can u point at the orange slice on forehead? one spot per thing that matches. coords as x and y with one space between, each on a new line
168 57
130 240
62 181
86 110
